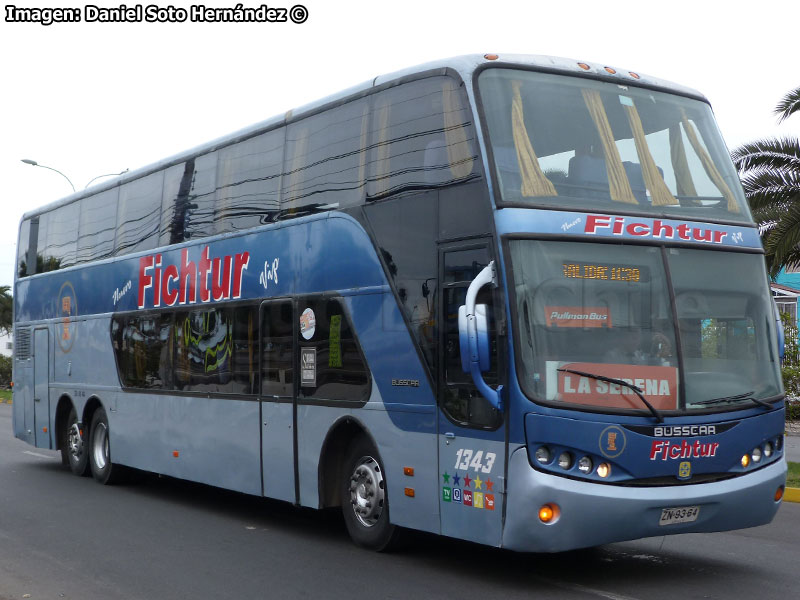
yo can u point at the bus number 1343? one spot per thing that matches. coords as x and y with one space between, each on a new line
466 459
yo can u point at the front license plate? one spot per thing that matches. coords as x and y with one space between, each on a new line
683 514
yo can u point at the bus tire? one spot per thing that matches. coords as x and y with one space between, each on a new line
74 448
103 470
365 504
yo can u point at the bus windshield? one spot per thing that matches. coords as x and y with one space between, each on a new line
574 143
606 310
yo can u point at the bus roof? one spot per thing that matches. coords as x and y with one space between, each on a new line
464 65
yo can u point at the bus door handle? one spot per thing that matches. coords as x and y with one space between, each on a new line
448 437
37 399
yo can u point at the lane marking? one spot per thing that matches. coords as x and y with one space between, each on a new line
37 454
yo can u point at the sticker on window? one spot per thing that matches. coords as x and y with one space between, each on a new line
308 324
308 367
577 316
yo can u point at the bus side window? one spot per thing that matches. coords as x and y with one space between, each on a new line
277 355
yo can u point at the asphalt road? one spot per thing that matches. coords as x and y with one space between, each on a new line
68 537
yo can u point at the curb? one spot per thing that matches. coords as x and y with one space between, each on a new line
6 402
791 494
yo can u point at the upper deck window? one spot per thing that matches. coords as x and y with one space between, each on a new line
575 143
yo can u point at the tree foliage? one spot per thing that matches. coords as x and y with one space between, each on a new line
770 173
6 309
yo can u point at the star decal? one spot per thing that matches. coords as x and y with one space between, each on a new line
466 480
489 484
456 479
446 477
478 483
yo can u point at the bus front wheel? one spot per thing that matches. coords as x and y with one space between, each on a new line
74 449
364 499
103 470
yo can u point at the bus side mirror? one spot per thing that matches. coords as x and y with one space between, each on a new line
482 331
473 336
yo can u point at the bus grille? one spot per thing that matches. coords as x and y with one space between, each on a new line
671 480
22 343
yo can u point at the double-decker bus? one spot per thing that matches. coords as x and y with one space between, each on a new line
515 300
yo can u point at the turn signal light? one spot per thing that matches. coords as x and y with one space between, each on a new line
746 460
546 513
409 471
779 494
409 492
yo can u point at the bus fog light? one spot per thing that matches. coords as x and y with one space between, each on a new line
565 460
604 470
756 454
543 455
585 465
549 513
746 461
767 450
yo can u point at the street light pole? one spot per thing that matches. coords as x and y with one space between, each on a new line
33 163
106 175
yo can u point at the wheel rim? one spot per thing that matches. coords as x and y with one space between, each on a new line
367 491
75 442
100 446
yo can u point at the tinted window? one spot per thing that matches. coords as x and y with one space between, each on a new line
138 214
143 346
98 221
325 164
331 366
277 358
248 182
57 233
216 350
23 243
190 195
422 136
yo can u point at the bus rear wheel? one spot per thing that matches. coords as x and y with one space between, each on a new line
74 449
103 470
364 499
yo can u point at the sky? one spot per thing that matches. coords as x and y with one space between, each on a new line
89 99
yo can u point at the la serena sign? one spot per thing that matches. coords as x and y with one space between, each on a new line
168 284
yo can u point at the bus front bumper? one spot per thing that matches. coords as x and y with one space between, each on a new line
590 514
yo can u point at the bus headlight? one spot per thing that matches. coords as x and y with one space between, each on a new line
585 465
767 450
565 460
756 454
543 455
604 470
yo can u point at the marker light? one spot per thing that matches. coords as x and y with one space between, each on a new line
491 56
779 494
547 513
565 460
610 70
584 66
746 461
543 455
604 470
634 75
585 465
756 454
767 450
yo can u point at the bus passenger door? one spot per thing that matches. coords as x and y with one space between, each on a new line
278 400
471 432
41 387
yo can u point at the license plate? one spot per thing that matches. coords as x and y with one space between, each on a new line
683 514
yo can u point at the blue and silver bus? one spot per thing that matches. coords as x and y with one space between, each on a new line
516 300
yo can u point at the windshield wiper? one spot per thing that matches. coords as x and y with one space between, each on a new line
636 390
726 399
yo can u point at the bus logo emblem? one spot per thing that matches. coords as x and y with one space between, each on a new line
612 441
685 470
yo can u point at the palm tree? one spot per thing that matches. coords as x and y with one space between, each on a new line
6 308
770 173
